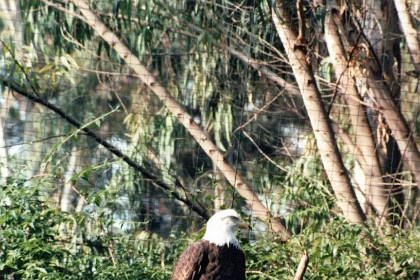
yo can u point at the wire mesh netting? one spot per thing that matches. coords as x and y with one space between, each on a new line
136 120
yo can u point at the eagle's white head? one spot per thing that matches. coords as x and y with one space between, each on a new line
221 228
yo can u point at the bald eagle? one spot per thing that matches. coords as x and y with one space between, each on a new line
217 256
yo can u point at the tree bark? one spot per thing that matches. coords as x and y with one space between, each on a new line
373 183
233 177
303 265
396 122
4 164
66 204
410 32
378 48
327 146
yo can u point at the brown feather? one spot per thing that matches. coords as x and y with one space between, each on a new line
206 261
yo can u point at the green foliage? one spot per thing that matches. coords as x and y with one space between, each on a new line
33 245
28 231
36 242
338 251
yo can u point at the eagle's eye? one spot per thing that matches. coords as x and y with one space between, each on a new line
232 217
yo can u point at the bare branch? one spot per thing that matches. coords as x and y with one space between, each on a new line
282 83
261 152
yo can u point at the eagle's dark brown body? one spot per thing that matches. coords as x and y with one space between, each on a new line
206 261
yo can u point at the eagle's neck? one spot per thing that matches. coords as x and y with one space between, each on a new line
221 237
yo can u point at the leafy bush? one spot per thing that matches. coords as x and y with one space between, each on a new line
38 241
35 243
336 249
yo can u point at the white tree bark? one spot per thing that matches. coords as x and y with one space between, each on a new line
371 181
410 32
396 122
4 107
327 146
67 193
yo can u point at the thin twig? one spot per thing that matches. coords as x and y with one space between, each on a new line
264 154
33 142
258 112
96 217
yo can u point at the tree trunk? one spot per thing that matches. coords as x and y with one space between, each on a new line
373 185
327 146
66 204
410 32
396 122
380 26
4 108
